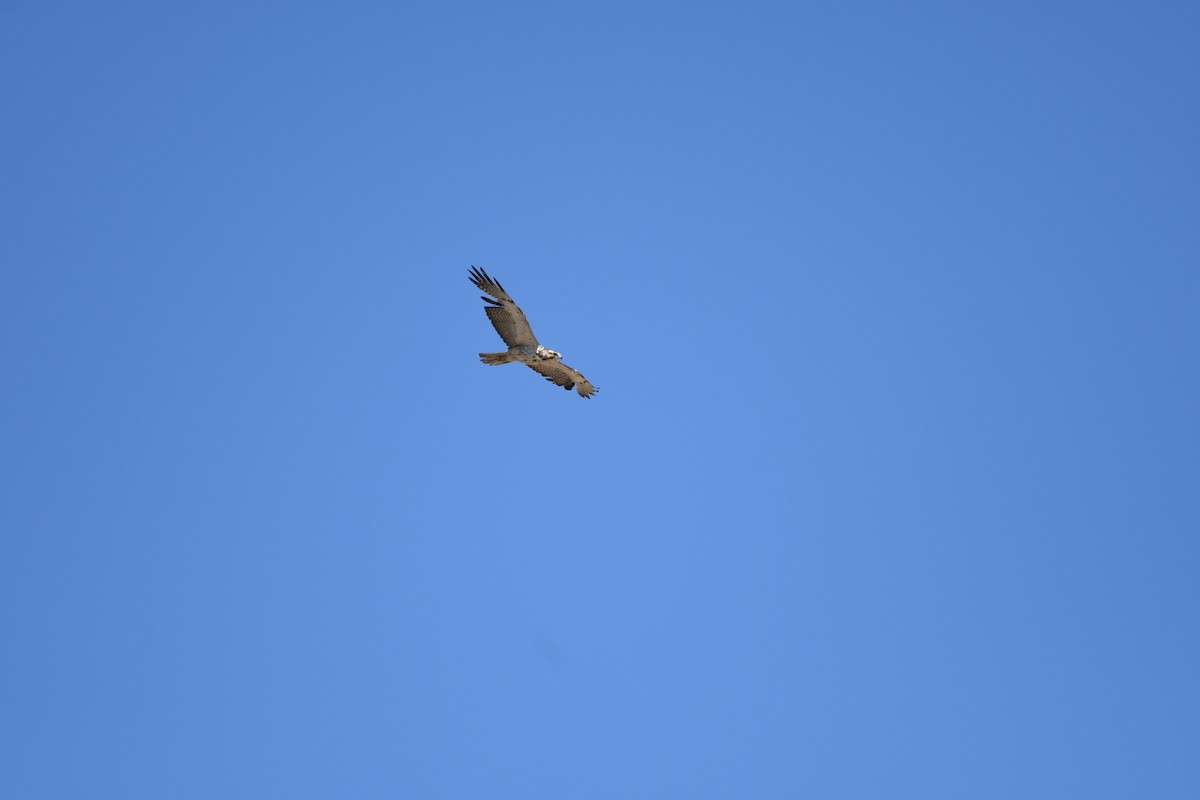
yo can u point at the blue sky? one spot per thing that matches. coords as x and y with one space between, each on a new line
890 489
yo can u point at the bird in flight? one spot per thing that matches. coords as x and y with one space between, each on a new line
523 347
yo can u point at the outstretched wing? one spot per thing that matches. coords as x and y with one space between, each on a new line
559 373
506 316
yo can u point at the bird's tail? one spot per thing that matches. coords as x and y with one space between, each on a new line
494 358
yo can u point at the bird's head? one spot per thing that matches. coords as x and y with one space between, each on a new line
553 353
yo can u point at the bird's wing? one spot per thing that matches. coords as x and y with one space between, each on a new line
560 374
506 316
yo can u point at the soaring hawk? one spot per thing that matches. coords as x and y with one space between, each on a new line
523 347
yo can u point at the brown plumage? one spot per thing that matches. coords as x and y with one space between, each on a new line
523 347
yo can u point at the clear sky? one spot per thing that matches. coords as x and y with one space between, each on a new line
891 490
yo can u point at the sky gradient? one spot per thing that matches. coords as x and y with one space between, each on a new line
890 491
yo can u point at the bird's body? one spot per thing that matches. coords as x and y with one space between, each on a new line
523 347
520 354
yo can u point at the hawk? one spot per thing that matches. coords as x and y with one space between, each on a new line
523 348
